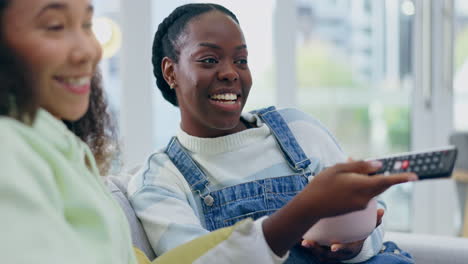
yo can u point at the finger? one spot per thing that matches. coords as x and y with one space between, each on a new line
350 159
315 248
380 214
337 247
307 244
361 167
310 244
382 182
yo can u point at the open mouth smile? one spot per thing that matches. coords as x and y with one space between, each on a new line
77 85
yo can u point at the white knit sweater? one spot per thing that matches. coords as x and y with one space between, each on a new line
171 214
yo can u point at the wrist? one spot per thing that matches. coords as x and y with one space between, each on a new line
298 216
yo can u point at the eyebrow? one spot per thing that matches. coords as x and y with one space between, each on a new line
214 46
61 6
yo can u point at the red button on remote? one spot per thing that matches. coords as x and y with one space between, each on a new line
405 164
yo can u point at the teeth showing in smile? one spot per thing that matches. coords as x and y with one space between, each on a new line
77 81
227 98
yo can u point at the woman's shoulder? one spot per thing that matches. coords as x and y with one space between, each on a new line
11 132
17 152
292 114
157 170
306 126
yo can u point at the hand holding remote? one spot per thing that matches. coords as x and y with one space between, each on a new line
337 190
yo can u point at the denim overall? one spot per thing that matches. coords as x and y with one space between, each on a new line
254 199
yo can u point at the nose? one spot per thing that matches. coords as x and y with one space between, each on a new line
228 73
85 48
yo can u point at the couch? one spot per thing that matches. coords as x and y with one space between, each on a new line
425 249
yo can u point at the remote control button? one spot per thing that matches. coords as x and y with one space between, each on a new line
424 167
427 160
435 159
441 165
397 165
416 169
419 161
432 166
405 164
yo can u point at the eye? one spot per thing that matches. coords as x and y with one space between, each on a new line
209 60
55 27
88 25
241 61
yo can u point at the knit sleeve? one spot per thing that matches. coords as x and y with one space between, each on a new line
241 243
164 207
31 225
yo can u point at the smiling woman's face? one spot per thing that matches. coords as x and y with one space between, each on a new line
212 76
54 41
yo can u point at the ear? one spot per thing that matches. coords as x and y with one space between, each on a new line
168 70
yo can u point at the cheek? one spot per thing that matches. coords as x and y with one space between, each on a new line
41 60
247 80
98 52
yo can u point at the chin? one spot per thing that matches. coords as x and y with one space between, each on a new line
74 114
228 124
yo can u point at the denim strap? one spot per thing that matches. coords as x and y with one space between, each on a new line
294 154
187 166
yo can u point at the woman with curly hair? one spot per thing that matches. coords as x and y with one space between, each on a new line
55 139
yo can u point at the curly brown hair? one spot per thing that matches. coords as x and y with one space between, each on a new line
96 128
18 99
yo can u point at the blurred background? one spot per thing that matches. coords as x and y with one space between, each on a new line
384 76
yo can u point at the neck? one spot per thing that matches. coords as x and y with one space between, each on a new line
205 132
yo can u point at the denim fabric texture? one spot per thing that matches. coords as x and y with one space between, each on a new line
293 152
391 254
187 166
254 199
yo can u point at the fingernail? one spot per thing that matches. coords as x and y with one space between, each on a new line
305 244
334 248
375 163
413 177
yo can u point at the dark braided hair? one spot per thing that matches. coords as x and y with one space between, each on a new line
167 35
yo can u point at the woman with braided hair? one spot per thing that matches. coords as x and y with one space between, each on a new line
54 143
224 165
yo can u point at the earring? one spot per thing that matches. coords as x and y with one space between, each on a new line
172 86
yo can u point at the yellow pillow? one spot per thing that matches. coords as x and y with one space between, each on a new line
191 251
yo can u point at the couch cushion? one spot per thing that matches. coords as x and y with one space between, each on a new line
432 249
118 189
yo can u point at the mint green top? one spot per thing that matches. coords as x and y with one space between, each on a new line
53 207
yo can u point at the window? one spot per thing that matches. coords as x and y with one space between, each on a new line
354 73
460 81
109 65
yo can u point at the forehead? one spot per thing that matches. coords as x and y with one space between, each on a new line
213 25
32 7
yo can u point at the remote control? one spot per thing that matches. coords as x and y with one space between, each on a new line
428 164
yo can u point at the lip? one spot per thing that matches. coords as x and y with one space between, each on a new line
80 89
227 107
226 91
